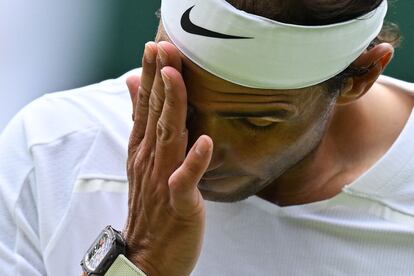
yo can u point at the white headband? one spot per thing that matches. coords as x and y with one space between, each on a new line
257 52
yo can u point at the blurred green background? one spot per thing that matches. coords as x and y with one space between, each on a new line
134 24
59 45
137 25
402 13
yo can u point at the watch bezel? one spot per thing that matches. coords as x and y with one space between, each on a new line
118 246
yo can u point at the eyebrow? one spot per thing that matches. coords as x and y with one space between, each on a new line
270 113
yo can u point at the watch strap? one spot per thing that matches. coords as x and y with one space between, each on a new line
123 267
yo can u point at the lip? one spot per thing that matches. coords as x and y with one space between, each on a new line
223 184
211 178
215 176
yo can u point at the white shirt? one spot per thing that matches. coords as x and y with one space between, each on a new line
62 180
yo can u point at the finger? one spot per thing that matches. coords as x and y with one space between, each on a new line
168 55
147 78
184 194
171 127
140 111
132 83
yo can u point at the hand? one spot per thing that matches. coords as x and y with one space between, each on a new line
166 213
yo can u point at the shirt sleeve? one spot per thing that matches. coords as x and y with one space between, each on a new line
20 252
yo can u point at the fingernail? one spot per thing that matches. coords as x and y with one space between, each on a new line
201 147
386 59
163 55
166 79
149 56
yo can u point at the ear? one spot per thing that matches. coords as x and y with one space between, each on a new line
374 60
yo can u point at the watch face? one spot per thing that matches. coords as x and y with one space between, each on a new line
98 252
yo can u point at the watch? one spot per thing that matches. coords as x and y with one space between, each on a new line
106 256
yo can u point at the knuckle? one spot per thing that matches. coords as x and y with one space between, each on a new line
142 159
135 138
184 134
131 149
165 132
139 161
156 103
132 146
143 97
141 154
137 167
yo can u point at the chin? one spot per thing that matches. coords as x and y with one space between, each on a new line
230 190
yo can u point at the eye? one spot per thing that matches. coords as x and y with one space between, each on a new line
258 124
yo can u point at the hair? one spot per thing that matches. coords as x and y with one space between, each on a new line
322 12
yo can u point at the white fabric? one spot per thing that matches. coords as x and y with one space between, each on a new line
62 180
271 54
124 267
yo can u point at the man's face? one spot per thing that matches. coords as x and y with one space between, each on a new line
258 134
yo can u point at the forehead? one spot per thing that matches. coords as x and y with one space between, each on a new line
209 93
213 82
198 77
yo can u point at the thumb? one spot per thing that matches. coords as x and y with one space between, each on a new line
184 194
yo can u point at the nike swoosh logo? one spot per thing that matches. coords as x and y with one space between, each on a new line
191 28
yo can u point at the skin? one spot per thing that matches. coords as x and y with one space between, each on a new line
230 115
306 155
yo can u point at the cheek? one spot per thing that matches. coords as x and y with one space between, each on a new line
257 151
279 147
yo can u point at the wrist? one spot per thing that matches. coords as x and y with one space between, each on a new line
140 251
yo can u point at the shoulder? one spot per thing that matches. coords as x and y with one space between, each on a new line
84 125
403 86
105 105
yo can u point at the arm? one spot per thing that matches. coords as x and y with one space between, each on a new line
165 223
